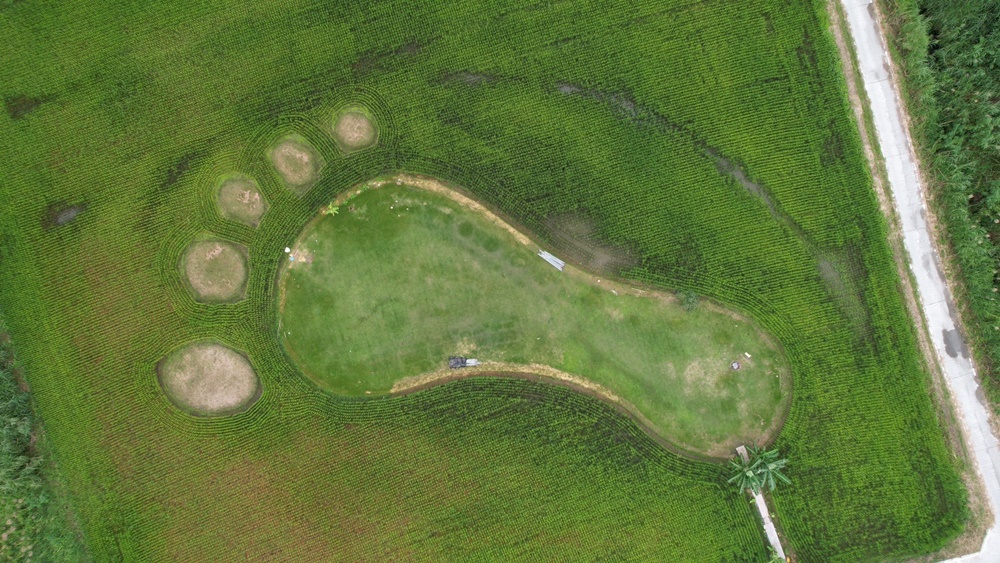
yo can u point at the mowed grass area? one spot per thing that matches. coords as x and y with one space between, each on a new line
401 278
706 146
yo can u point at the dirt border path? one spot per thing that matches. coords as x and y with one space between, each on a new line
545 374
939 328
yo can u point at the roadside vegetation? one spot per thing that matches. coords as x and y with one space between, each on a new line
34 518
949 52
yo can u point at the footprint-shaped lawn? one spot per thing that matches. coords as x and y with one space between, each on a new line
384 288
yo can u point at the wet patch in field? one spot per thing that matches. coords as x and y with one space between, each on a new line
18 106
59 214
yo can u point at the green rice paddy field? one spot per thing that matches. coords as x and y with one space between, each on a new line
697 146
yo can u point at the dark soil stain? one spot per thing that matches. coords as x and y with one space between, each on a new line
837 268
19 105
468 78
580 240
375 60
59 214
411 47
182 165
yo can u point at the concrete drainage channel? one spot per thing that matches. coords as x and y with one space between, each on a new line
935 297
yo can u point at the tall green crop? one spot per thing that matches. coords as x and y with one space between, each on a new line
704 147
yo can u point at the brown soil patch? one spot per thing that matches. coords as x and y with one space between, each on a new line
209 379
297 164
355 131
577 238
300 255
215 270
240 200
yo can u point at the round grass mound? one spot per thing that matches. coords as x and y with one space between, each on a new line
297 163
354 130
215 270
240 200
209 379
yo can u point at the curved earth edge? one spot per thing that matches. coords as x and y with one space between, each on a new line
547 374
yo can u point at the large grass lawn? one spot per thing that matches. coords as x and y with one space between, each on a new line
402 278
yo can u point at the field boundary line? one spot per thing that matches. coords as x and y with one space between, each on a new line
910 203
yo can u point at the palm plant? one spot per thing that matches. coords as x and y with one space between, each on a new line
769 467
745 475
762 468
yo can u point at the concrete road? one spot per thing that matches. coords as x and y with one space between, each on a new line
935 297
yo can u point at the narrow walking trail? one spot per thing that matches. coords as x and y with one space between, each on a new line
932 289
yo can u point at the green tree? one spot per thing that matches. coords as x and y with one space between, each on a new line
744 474
769 467
762 468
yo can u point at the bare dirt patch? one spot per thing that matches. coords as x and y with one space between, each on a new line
301 255
240 200
414 383
215 270
209 379
297 163
59 214
355 131
577 237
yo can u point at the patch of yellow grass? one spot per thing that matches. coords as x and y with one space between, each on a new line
215 270
209 379
297 164
355 131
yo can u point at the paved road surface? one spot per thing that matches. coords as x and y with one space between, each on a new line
935 298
